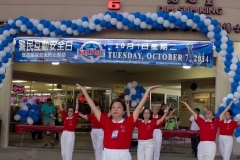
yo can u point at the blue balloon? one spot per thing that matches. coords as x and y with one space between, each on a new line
131 25
190 15
35 107
23 119
216 115
107 13
68 23
96 21
165 16
25 20
229 43
23 113
125 21
137 14
4 43
160 27
236 78
133 97
229 100
18 112
204 30
80 29
35 118
215 22
103 23
217 43
87 31
201 24
74 26
63 22
46 24
9 55
58 31
114 14
217 29
221 109
40 34
196 19
119 17
238 129
85 19
5 59
143 90
42 21
109 25
30 113
127 91
235 111
7 26
29 106
138 89
218 49
227 63
52 27
36 112
34 30
13 25
238 71
2 76
230 49
149 20
236 133
64 34
138 95
137 28
218 36
234 85
171 19
178 22
183 26
0 80
154 24
237 106
0 66
229 56
10 39
143 17
29 25
184 13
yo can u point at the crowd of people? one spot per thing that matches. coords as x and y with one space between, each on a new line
112 132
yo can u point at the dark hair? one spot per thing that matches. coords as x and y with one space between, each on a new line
70 107
98 104
151 114
120 101
163 104
170 109
49 100
230 112
197 109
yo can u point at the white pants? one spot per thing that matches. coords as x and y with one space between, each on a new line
116 154
145 149
67 145
206 150
157 138
225 145
97 141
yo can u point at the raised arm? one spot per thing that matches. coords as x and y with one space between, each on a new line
138 110
190 109
164 116
90 102
128 108
77 103
170 115
226 109
60 103
83 116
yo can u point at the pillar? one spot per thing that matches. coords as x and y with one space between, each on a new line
5 96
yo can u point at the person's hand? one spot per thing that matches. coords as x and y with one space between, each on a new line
84 89
205 109
183 102
174 110
167 109
127 104
153 87
170 105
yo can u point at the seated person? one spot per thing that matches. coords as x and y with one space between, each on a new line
173 122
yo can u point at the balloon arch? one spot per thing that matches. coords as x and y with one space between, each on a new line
135 21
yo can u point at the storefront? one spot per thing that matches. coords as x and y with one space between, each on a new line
105 76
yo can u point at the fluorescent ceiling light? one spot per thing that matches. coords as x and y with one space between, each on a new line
28 86
55 89
31 90
55 63
51 84
18 81
186 67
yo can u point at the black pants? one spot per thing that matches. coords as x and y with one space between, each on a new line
37 133
195 141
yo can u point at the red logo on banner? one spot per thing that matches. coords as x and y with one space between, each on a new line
114 4
18 88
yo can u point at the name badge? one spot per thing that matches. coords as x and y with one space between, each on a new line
115 134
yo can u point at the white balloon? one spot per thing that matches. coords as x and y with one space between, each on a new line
10 21
212 40
18 23
138 100
238 117
131 17
233 67
23 28
107 18
25 108
235 54
1 85
134 104
75 33
100 16
125 14
6 33
113 21
178 14
194 26
160 20
126 98
154 16
35 23
69 30
166 23
29 32
149 26
231 80
22 104
92 25
5 65
148 14
184 18
129 85
2 37
134 84
2 53
17 117
224 100
189 23
231 74
133 91
223 32
207 22
238 88
224 39
222 104
230 96
210 34
29 121
237 95
223 53
238 138
85 24
31 101
63 27
211 27
53 22
94 17
57 24
234 60
119 25
223 59
2 70
224 46
98 28
13 31
143 25
171 13
46 31
40 27
202 17
172 25
53 34
137 21
125 27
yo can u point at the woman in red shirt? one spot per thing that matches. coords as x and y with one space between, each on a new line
208 131
96 133
145 134
117 131
68 136
227 127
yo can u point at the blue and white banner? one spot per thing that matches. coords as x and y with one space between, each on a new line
122 51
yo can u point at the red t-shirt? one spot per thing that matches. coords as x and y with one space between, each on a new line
70 123
227 128
124 135
145 131
208 130
161 124
95 123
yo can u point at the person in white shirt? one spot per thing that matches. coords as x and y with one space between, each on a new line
194 127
